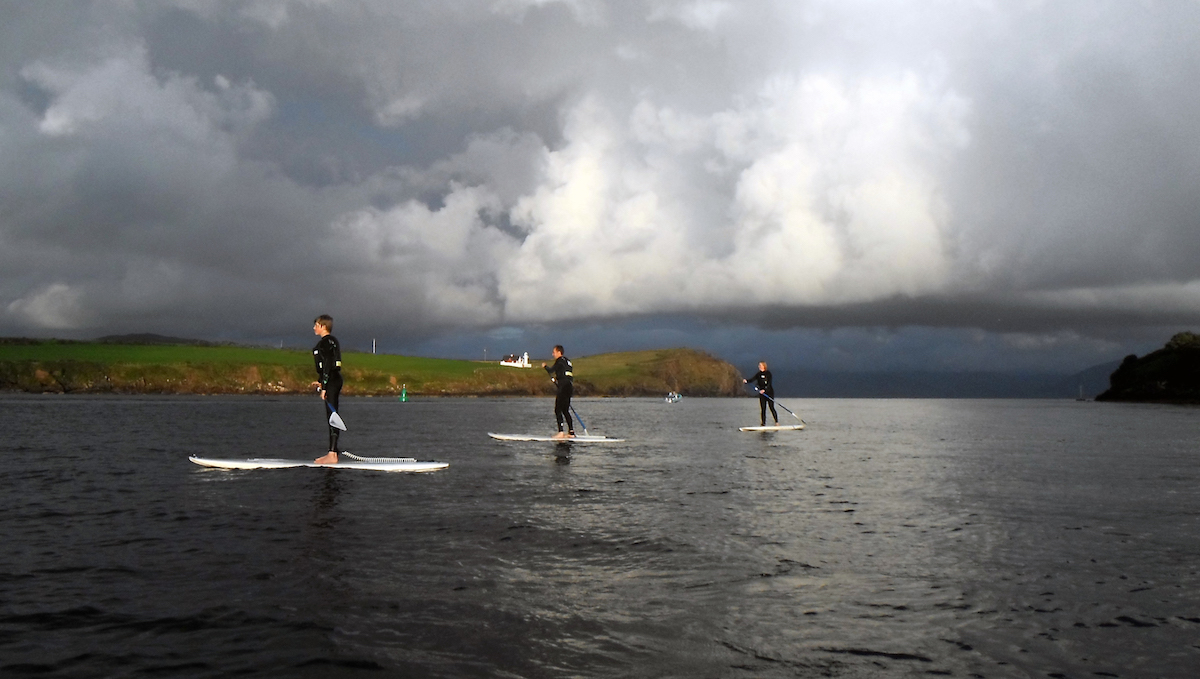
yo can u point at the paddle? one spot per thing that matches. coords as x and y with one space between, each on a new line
335 420
761 393
581 422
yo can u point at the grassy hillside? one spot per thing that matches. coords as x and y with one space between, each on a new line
91 367
630 373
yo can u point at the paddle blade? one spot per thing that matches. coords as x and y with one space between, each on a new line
335 420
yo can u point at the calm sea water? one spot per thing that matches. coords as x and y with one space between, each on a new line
892 538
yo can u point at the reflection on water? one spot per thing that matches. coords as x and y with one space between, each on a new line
329 487
891 538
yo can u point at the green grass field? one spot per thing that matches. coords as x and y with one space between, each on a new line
179 368
150 353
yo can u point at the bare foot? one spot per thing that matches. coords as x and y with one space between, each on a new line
327 458
560 435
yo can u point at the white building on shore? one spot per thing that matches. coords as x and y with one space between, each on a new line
515 361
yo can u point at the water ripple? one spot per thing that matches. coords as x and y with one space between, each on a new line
892 538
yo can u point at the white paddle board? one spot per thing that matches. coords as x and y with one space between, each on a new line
378 464
777 427
583 438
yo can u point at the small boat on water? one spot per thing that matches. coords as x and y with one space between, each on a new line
673 397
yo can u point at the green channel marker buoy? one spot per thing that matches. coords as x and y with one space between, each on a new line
404 393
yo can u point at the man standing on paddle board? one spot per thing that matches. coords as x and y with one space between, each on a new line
327 356
762 384
561 373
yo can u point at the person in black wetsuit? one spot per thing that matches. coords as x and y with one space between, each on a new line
327 356
561 373
762 383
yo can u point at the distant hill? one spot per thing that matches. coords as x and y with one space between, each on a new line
165 365
1168 375
1094 380
929 384
151 338
148 363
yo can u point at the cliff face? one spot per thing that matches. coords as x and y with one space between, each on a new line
1169 375
68 367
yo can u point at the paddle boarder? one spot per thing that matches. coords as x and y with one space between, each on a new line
562 375
762 384
327 356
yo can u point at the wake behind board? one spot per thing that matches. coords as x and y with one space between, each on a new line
346 461
778 427
539 437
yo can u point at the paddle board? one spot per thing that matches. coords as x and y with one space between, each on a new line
778 427
378 464
584 438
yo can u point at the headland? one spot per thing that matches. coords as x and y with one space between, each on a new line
187 367
1168 375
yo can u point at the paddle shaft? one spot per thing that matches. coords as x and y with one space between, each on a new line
581 422
764 395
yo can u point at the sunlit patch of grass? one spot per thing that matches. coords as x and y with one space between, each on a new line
179 368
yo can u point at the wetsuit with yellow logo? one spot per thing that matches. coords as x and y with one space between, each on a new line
561 373
327 356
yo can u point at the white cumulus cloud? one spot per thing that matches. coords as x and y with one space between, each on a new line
56 307
1022 167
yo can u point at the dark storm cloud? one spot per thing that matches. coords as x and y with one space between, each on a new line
1085 155
1026 169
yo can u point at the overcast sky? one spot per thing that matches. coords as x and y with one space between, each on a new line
830 184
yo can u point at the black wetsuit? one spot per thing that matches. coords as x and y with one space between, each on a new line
762 381
327 356
565 379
